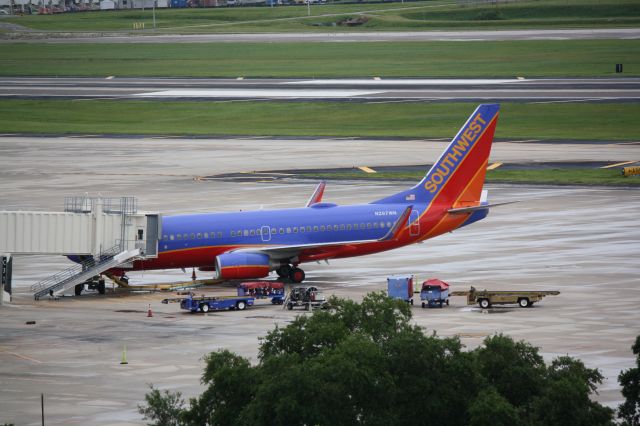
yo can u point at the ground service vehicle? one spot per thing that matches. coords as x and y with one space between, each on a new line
206 304
401 287
434 292
273 290
485 298
307 297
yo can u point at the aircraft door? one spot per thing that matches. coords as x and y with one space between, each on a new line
414 228
265 233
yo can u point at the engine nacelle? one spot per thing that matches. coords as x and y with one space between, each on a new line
239 266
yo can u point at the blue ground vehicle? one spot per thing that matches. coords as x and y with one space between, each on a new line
263 290
206 304
434 293
401 287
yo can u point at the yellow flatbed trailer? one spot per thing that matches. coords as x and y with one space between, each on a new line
486 298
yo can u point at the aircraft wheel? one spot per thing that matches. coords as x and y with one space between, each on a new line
78 289
204 308
284 271
297 275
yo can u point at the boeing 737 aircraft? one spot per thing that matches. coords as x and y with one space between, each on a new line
251 244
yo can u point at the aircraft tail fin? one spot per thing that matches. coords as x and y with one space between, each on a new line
456 179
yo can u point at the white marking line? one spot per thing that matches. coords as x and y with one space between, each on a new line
271 93
403 82
575 100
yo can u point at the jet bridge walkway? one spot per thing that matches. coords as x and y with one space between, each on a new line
85 227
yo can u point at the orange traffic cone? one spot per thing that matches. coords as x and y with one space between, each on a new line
149 313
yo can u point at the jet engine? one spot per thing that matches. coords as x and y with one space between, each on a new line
233 266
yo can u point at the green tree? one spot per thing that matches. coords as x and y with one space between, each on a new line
629 410
365 363
565 399
162 408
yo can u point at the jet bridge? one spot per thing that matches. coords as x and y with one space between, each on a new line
104 232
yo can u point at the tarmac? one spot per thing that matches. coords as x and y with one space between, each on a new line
582 241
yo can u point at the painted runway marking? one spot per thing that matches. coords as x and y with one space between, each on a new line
618 164
271 93
402 82
367 169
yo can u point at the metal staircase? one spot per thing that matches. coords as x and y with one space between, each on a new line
81 272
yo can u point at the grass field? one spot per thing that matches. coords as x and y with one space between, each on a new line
601 177
386 16
568 121
566 58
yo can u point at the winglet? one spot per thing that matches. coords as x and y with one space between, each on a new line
317 194
395 230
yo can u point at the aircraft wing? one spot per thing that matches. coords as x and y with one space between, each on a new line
317 194
293 250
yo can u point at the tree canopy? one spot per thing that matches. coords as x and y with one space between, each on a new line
365 363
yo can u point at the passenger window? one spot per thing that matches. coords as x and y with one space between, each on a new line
274 231
179 236
302 229
193 236
199 235
375 225
369 225
258 231
355 226
322 228
165 237
389 225
381 224
308 229
315 228
185 236
246 233
171 237
363 226
219 234
295 229
206 235
252 233
239 233
349 227
233 233
282 230
342 227
288 230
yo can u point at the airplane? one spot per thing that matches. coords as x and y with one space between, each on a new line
252 244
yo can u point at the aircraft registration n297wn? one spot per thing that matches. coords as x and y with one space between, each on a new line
251 244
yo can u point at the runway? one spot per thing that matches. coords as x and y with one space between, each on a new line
461 35
374 90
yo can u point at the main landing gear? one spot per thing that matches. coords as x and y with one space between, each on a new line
294 273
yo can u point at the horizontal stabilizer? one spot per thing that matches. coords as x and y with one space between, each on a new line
480 207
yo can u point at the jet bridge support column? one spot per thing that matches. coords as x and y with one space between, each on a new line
5 278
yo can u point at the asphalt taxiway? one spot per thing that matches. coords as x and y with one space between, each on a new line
579 240
373 90
27 35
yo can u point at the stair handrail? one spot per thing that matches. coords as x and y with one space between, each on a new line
76 269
